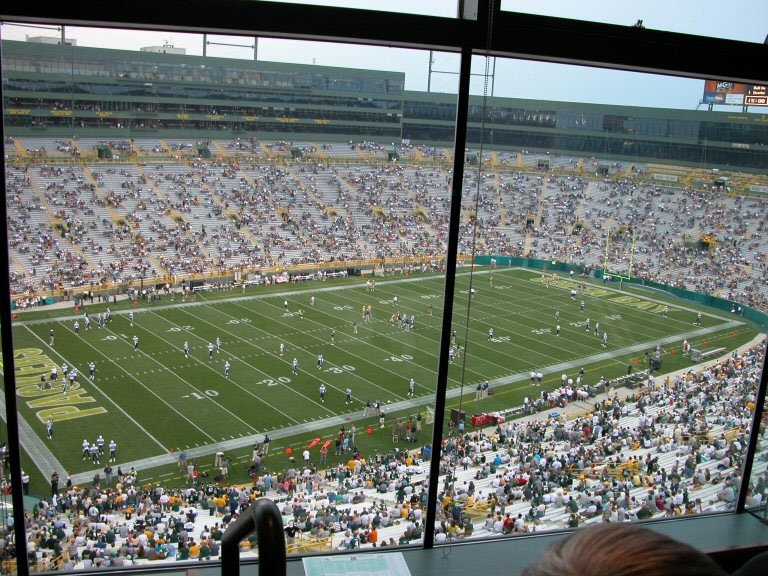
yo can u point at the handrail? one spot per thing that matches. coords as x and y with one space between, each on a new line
264 518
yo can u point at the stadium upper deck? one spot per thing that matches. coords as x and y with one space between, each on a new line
55 91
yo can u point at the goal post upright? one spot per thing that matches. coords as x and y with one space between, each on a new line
632 254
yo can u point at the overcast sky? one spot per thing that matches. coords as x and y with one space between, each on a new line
736 19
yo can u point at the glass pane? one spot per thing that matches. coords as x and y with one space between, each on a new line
745 20
444 8
593 376
226 273
757 492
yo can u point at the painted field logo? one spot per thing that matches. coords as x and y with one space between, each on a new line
50 403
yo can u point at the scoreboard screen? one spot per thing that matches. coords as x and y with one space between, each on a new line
756 96
734 93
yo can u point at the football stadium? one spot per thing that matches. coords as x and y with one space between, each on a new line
228 281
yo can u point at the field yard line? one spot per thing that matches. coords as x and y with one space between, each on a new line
250 366
38 452
437 329
165 368
107 396
508 318
345 419
345 287
537 342
305 371
140 383
641 315
638 315
354 374
616 290
283 294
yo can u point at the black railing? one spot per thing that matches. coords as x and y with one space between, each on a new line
264 518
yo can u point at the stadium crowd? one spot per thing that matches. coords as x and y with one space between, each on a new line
77 225
671 449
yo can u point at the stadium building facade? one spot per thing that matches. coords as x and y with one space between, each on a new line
66 91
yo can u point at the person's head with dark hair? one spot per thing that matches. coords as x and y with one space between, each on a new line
622 550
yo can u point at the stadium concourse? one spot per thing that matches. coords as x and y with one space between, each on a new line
77 222
671 449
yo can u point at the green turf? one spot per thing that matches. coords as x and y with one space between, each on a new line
156 400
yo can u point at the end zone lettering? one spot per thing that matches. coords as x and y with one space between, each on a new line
55 404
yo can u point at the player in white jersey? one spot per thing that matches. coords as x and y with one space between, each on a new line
135 343
368 286
319 361
311 300
411 386
348 393
282 348
112 451
49 429
52 336
490 333
226 368
77 327
218 345
666 311
597 328
100 444
87 323
186 349
86 449
354 327
539 378
322 393
109 315
91 370
394 301
698 319
533 377
557 315
587 324
295 366
582 305
130 317
605 339
558 330
54 373
285 304
210 350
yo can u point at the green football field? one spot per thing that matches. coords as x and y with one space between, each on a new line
154 401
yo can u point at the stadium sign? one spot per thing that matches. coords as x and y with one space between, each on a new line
665 177
734 93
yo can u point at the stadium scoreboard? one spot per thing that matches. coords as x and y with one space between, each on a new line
756 96
735 93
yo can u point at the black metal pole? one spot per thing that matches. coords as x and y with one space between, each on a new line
264 518
754 433
460 144
9 369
